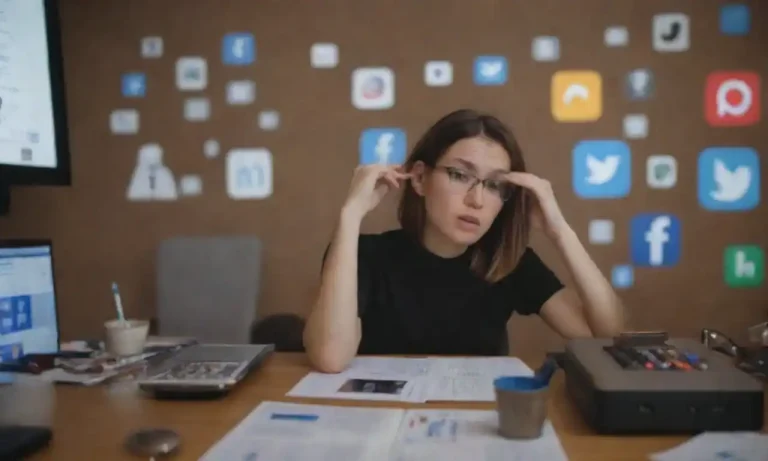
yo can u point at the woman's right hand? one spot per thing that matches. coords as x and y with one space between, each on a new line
370 184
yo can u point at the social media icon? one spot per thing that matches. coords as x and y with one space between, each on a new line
601 231
735 19
601 169
636 126
191 73
438 73
545 49
134 85
577 96
661 171
241 92
324 55
744 266
124 121
249 173
197 109
671 32
622 276
616 36
152 47
383 146
238 49
269 120
490 70
655 240
732 98
373 88
639 85
729 178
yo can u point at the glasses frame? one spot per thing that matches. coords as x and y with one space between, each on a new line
475 180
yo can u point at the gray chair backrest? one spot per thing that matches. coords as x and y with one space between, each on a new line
208 287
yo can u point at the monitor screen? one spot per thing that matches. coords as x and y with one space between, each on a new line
28 320
33 138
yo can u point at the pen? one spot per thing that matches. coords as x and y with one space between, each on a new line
118 302
620 357
656 362
638 357
665 363
696 361
674 358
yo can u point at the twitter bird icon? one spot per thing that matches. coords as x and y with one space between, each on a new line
602 169
729 178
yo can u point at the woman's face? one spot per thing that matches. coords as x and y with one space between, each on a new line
464 192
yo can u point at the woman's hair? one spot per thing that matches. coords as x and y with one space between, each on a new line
498 251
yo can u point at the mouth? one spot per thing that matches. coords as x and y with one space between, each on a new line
469 220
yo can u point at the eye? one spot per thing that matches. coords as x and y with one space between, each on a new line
457 175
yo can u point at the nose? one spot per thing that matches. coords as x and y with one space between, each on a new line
475 196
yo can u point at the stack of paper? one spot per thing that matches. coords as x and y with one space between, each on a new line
719 446
413 380
277 431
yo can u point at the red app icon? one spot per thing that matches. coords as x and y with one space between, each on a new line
732 98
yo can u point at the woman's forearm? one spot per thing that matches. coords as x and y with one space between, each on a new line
603 308
332 332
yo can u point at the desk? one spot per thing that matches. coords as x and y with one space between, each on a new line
91 423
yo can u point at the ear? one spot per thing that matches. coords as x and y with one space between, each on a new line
418 175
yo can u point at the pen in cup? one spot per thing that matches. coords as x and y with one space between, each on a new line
118 302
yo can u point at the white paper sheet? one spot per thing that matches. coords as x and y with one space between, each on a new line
413 379
719 446
279 431
468 435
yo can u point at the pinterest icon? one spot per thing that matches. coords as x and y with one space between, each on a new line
732 98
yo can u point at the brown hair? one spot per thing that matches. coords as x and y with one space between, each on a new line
497 252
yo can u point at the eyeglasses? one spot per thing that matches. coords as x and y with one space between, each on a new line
464 182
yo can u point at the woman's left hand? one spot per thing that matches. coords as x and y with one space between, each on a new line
545 215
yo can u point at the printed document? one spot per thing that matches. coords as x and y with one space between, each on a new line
413 379
278 431
719 446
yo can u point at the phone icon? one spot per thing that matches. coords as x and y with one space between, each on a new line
671 32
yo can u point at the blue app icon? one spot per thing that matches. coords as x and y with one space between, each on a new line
134 85
655 240
622 276
602 169
238 49
384 146
735 19
490 70
729 178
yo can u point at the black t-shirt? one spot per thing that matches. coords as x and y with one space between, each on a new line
411 301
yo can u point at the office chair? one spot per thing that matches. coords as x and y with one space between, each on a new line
285 331
208 287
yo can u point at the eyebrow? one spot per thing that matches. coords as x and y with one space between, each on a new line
471 166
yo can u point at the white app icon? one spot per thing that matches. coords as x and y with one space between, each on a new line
191 185
635 126
269 120
124 121
616 36
241 92
373 88
191 73
211 148
545 48
438 73
602 171
324 55
249 173
151 179
197 109
151 47
601 231
731 185
671 32
661 171
575 91
724 107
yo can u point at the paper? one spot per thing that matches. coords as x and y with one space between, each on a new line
470 435
278 431
413 379
719 446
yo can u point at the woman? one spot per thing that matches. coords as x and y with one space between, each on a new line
450 278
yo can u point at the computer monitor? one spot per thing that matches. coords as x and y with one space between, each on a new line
34 144
28 312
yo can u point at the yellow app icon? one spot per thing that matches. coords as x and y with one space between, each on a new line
577 96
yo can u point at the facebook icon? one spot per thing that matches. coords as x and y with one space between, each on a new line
382 146
655 240
238 49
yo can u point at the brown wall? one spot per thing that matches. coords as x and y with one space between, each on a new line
100 236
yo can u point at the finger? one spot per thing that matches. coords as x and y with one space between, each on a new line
390 179
526 180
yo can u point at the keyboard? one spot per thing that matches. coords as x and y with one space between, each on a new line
16 442
203 370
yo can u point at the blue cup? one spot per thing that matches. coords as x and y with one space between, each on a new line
522 406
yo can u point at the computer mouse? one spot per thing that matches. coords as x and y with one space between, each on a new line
153 442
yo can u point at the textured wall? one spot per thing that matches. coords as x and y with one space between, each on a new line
305 117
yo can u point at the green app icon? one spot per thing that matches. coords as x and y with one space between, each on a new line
744 266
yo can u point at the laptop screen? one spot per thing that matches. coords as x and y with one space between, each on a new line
28 323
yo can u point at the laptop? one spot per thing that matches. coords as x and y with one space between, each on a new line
204 369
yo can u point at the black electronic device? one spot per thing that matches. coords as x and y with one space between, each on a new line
670 386
18 442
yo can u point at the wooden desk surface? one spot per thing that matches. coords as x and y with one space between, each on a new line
92 423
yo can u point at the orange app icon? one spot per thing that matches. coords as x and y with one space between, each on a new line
577 96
